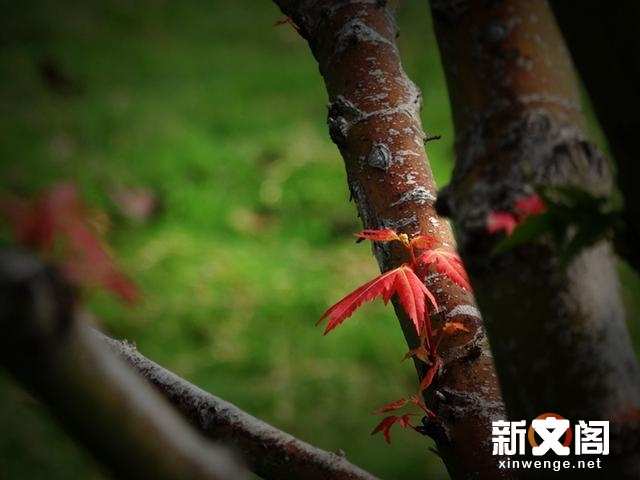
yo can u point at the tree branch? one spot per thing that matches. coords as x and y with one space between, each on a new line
125 425
604 43
269 452
558 334
374 119
73 369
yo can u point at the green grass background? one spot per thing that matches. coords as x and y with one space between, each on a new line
223 116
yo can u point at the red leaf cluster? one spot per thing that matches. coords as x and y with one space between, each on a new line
401 281
406 283
387 422
503 221
56 224
403 420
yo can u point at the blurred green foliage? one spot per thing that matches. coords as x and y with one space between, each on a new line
222 115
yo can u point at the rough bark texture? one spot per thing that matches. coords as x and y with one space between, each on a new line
605 45
375 122
103 404
558 335
269 452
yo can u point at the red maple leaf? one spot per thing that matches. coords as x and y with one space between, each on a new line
401 281
385 425
411 292
448 263
57 223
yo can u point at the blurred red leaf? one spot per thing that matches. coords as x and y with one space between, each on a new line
57 220
530 205
137 204
501 222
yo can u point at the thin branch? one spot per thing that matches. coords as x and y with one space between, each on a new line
98 399
73 369
374 119
269 452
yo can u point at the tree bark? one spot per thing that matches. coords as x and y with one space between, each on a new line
558 335
84 377
269 452
125 425
374 119
605 45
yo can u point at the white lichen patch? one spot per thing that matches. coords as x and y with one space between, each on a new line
419 195
358 30
464 309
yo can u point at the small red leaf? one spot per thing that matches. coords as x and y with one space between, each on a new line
385 425
338 313
423 242
382 235
501 222
395 405
530 205
57 218
430 374
411 293
401 281
405 420
419 401
448 263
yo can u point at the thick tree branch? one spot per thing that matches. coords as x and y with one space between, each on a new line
72 367
374 120
605 45
269 452
103 404
558 334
